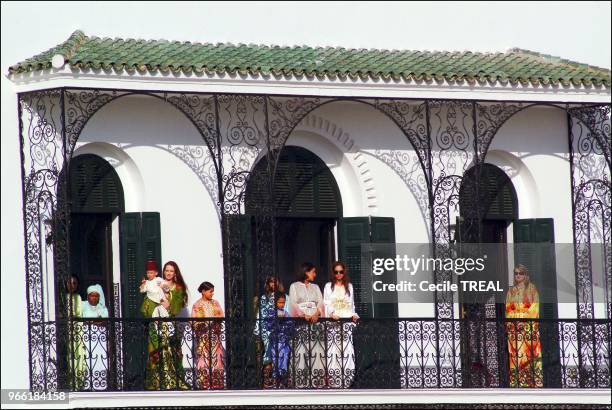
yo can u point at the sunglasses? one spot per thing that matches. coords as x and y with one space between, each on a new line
339 272
519 273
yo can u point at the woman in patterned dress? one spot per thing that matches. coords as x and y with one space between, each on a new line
210 361
524 348
76 348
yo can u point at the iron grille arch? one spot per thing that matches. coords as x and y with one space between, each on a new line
61 114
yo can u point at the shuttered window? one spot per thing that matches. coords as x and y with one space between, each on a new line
488 193
352 234
534 241
140 241
303 186
94 186
376 342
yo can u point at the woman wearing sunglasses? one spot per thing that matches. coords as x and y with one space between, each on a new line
339 301
524 348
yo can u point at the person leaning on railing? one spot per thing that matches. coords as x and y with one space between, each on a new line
278 329
306 302
338 297
265 307
95 336
524 348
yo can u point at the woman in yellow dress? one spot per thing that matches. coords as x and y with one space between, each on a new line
524 348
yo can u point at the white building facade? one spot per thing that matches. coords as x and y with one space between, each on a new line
239 171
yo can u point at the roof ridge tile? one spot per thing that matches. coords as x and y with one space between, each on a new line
141 55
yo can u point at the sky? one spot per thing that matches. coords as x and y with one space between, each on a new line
578 31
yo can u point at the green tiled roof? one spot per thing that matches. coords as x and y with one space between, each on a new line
514 66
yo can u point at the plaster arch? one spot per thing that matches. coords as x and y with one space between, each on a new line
591 118
126 169
136 120
351 192
522 179
353 154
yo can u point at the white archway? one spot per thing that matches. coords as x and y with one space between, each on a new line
126 169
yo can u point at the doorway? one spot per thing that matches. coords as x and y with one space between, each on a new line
307 206
488 204
305 239
291 209
91 251
96 199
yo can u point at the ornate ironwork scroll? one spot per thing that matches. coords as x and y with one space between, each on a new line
204 161
460 135
79 107
590 173
589 138
284 114
198 159
42 158
242 138
412 119
414 168
451 125
448 138
408 167
489 119
451 129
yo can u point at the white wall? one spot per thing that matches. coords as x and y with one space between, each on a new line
586 44
15 370
533 149
537 137
146 131
142 138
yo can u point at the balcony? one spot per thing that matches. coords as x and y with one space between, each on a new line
186 354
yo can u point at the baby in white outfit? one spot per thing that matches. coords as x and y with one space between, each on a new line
154 289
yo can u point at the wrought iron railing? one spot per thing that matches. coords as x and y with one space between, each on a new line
200 354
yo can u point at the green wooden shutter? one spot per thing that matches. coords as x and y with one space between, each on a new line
131 259
151 239
140 240
488 193
240 260
303 186
352 232
538 255
95 187
377 354
539 259
382 230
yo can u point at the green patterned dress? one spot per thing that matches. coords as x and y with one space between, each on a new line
165 357
76 350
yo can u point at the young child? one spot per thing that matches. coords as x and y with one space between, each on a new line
281 331
153 287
